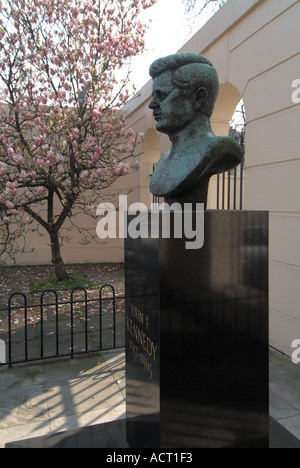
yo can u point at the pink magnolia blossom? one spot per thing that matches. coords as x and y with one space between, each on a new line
109 127
84 174
11 187
130 132
98 150
19 159
10 205
50 155
121 168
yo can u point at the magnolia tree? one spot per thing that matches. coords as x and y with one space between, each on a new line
63 140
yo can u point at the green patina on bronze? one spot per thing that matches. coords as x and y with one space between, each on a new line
185 89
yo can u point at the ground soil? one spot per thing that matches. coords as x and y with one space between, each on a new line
17 278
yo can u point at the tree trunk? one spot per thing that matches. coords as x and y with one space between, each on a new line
59 266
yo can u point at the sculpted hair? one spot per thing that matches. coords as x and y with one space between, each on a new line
190 72
172 62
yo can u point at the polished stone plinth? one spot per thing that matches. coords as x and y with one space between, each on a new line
197 336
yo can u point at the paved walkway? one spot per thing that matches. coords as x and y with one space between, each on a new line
285 392
61 395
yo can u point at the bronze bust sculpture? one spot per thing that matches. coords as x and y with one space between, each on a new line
185 89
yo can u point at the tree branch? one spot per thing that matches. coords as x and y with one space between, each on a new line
36 217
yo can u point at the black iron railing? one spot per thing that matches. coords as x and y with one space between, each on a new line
230 189
60 328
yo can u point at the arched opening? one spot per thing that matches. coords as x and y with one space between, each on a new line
227 101
226 191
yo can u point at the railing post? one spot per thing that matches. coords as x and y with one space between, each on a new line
72 319
51 291
72 327
9 326
218 191
9 333
229 190
241 185
223 191
114 312
234 189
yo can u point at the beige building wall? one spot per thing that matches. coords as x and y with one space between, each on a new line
255 46
273 157
105 251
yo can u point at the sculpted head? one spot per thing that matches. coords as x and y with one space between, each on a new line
185 85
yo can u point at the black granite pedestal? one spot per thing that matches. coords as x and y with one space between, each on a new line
197 337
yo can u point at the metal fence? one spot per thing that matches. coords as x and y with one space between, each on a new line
55 328
230 189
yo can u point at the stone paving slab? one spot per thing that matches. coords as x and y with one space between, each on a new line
61 395
285 392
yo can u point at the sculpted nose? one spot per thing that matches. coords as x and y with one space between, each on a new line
153 104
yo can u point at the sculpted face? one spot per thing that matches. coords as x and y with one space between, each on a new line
171 109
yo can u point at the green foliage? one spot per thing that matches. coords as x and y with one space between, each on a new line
38 286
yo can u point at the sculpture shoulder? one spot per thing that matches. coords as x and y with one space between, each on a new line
208 156
223 143
222 154
164 158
